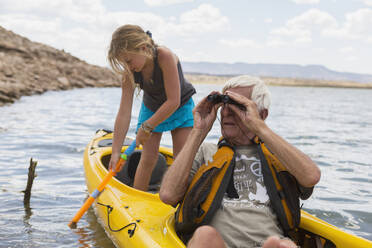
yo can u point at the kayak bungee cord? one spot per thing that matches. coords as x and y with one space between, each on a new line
109 210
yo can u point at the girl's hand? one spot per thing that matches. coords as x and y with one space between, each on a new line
142 136
113 161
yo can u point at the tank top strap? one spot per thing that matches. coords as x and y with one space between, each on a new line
156 53
156 63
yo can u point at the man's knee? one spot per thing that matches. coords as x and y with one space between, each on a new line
276 242
206 236
206 232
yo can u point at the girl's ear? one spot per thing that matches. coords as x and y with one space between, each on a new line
144 49
264 113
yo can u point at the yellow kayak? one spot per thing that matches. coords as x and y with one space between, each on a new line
135 218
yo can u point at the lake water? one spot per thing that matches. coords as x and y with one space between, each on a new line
332 126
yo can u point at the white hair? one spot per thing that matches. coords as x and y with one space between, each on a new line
260 93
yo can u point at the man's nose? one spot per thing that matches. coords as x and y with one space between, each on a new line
226 110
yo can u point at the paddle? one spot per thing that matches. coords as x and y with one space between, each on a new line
106 179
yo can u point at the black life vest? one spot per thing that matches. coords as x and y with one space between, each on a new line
207 188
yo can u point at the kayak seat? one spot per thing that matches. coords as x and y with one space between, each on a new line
126 175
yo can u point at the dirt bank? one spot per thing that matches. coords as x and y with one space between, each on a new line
28 68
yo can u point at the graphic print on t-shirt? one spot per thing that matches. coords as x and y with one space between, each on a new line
248 182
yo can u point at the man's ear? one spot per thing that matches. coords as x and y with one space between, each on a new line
264 113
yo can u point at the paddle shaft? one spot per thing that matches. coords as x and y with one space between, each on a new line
102 185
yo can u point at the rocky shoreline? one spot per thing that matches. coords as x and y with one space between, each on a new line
28 68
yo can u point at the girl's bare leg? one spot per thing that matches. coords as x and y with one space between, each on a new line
179 136
146 165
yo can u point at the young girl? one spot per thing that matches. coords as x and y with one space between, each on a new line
167 104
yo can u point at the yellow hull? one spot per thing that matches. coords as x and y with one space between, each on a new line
150 223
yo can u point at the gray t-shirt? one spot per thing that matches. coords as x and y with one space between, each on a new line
248 220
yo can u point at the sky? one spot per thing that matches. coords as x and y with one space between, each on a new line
333 33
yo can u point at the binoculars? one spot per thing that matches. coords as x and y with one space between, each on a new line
217 98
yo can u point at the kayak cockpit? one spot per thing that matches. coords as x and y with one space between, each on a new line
126 175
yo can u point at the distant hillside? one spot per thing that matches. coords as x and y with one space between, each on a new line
28 68
276 81
274 70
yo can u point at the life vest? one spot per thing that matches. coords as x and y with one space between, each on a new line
207 188
205 192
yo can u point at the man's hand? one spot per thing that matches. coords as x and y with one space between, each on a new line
205 113
250 118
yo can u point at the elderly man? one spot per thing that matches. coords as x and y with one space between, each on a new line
247 215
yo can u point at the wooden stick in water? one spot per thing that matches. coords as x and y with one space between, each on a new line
30 180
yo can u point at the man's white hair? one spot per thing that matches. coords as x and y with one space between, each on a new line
260 93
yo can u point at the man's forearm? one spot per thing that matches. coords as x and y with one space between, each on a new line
298 164
176 179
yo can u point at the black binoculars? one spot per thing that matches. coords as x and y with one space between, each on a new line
217 98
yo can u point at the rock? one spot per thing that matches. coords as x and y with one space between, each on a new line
6 99
28 68
8 72
63 82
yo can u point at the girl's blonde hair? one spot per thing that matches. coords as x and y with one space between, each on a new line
128 38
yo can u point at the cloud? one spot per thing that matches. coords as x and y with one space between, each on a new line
367 2
196 56
352 58
91 14
300 28
82 10
84 28
306 1
347 49
205 18
240 43
357 26
275 42
268 20
313 18
165 2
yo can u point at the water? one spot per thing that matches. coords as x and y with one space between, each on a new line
331 125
